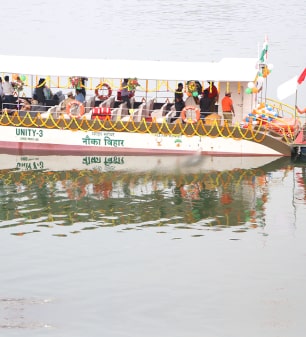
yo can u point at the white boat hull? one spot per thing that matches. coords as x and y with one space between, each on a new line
23 139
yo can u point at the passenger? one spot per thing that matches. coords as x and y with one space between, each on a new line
83 86
205 103
47 92
179 106
179 91
228 108
9 100
39 91
213 94
60 95
125 93
66 101
79 96
301 111
35 106
1 93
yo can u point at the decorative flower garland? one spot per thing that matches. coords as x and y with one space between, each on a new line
17 85
75 82
133 84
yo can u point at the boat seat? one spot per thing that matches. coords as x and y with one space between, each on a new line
51 111
149 107
108 103
170 114
158 113
139 114
120 112
132 101
89 104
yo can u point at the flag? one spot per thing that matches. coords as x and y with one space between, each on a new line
264 52
302 77
287 89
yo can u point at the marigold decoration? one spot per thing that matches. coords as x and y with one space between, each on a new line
75 82
17 85
192 88
133 84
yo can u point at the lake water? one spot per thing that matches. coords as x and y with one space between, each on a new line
122 248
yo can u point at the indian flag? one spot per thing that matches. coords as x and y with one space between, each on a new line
264 52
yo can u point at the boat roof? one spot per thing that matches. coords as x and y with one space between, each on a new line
226 70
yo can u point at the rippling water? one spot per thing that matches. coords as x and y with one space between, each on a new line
151 247
161 30
118 250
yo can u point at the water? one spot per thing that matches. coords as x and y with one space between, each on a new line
161 30
133 250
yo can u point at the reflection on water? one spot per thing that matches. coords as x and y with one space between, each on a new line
68 202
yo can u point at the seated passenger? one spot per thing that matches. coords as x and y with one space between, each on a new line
66 101
79 96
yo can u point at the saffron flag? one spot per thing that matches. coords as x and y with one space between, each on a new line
264 52
302 77
287 88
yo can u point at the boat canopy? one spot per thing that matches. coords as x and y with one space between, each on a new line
226 70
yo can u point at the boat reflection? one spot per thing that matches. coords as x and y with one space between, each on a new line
67 195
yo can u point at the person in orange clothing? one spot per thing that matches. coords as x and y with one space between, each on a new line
300 110
228 108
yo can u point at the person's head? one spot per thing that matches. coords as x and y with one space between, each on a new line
126 80
6 78
180 86
228 94
205 93
69 94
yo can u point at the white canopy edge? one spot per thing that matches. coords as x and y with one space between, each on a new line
226 70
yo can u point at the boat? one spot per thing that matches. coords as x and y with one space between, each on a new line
103 124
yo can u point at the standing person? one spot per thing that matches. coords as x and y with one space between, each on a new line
125 93
39 91
205 103
228 108
213 94
83 86
179 91
8 92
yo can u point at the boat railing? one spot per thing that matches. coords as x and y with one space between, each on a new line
151 126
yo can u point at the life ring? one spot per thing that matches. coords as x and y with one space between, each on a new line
189 120
103 86
80 108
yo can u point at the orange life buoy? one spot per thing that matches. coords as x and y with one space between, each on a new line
80 108
191 120
103 86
